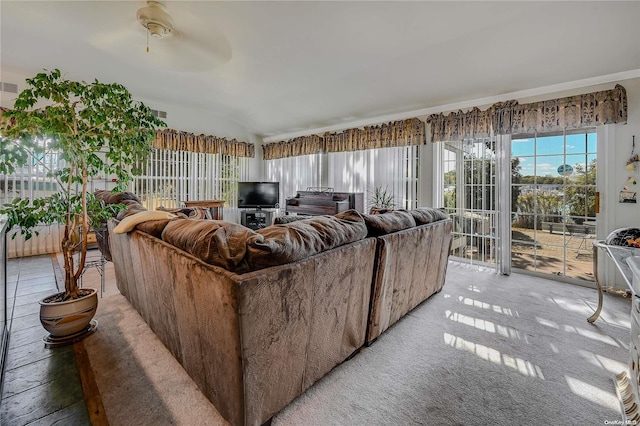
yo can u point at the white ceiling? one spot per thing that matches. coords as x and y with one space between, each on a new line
306 65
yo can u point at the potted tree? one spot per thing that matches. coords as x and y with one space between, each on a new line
92 129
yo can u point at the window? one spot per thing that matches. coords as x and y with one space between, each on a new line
470 197
295 174
395 169
170 177
35 179
553 191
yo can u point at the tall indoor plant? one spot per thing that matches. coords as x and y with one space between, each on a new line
380 200
95 129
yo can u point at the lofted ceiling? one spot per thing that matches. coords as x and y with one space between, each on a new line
279 68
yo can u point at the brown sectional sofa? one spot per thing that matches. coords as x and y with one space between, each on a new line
410 267
255 338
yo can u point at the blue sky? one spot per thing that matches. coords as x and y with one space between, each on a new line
550 152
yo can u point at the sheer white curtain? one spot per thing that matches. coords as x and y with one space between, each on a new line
171 177
295 174
395 169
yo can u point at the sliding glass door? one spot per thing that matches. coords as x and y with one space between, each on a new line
545 184
553 217
471 189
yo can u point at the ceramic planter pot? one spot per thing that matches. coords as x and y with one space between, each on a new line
72 316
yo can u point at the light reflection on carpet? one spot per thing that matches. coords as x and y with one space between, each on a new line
486 353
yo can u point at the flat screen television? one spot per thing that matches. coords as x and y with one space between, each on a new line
256 195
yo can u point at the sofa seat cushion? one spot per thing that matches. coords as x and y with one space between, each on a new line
215 242
285 243
424 215
392 221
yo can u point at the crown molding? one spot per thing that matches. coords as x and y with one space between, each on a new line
593 81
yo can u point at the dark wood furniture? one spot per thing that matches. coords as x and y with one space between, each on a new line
256 219
324 201
214 205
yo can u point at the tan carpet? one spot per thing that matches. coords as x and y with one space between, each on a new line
486 350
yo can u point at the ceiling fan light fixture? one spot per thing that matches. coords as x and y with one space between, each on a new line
155 19
157 30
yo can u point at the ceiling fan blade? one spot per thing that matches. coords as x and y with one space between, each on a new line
176 52
180 52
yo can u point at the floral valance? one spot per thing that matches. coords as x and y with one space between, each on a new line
177 140
572 112
184 141
303 145
392 134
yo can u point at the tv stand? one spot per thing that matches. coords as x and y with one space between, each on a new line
256 219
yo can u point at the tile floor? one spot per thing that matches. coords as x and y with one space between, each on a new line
41 386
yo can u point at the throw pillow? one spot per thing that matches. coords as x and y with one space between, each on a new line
128 223
285 243
393 221
215 242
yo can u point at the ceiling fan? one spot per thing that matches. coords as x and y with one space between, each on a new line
155 19
199 47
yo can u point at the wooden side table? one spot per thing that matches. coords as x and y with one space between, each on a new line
214 205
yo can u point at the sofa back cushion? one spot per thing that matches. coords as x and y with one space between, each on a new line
215 242
132 207
153 227
392 221
189 212
424 215
110 197
281 220
280 244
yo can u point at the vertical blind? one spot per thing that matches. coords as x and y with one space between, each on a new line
171 177
295 174
31 181
395 169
